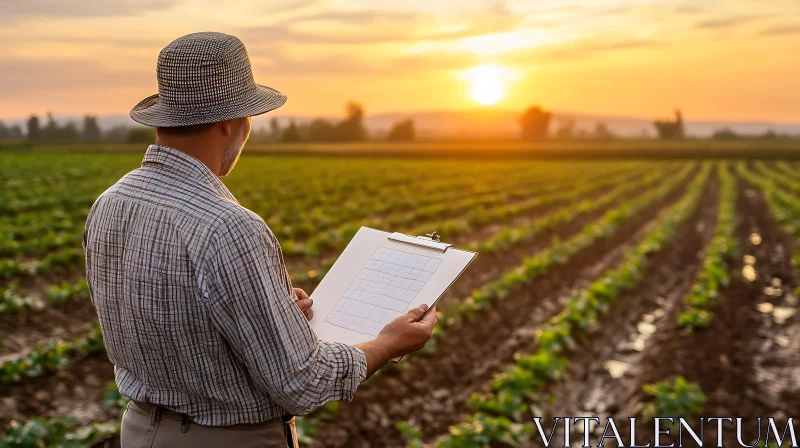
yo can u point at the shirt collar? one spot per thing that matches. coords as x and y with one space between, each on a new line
177 160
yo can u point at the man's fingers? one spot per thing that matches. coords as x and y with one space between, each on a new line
430 319
414 314
301 295
309 314
305 304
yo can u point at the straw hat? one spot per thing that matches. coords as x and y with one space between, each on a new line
205 78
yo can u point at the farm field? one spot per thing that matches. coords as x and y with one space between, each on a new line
602 288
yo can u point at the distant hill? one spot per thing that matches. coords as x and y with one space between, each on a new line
488 124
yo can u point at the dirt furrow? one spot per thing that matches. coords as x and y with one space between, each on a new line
629 332
22 331
747 362
77 391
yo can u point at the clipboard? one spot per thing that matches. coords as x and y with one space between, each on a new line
379 276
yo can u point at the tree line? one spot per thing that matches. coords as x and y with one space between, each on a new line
349 129
535 123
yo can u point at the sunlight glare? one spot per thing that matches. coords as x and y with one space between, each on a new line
487 86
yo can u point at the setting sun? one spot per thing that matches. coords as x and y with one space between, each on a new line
487 86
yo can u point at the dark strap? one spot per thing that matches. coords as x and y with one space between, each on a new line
289 431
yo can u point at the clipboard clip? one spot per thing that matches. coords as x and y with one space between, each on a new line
433 237
430 240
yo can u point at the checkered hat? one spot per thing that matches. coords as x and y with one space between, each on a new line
205 78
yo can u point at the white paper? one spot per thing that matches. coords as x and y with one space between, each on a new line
376 279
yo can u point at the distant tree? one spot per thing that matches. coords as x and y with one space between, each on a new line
15 131
275 128
4 131
91 130
260 135
69 132
118 133
320 130
140 134
601 132
724 134
671 130
50 130
351 129
34 133
290 133
402 131
566 129
535 123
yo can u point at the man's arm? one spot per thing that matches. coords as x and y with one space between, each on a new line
252 305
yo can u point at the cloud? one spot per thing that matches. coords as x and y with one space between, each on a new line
781 30
128 44
289 6
586 47
357 17
689 8
381 27
20 9
728 22
19 77
281 64
574 50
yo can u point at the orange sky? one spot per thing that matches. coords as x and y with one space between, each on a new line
716 59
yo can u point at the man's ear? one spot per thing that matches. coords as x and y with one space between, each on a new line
227 127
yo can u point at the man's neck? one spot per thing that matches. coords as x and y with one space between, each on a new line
195 148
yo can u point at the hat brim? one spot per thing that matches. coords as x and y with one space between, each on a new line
152 112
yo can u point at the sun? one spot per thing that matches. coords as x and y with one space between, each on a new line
487 85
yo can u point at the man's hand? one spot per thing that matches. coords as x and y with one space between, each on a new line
404 335
407 334
304 303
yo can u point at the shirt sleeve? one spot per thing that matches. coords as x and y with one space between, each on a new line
252 304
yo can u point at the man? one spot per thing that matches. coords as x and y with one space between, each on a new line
207 335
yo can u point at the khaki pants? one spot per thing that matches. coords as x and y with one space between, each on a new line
145 426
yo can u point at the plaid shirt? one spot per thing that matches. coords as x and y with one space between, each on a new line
196 307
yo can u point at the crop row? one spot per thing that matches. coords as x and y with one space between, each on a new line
65 432
478 214
13 300
40 232
715 271
509 237
783 205
51 357
61 260
498 414
558 253
67 258
398 199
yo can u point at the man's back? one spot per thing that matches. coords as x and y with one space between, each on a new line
163 263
